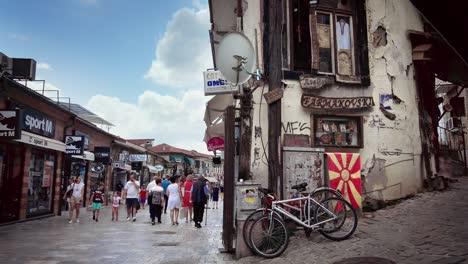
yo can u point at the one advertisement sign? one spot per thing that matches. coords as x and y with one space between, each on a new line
10 124
86 138
74 145
102 154
215 143
215 83
38 123
48 172
159 167
138 158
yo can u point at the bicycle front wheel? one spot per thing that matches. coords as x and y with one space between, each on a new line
345 222
248 224
269 239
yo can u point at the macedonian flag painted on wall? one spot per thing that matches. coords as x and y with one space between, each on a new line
344 172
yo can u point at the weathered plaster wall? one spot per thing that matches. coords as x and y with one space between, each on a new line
391 157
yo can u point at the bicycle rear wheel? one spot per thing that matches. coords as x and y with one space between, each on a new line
343 226
319 194
269 239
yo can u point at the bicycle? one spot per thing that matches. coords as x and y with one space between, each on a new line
269 236
267 199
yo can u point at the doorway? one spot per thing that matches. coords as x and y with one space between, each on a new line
11 175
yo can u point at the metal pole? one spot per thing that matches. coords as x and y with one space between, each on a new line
464 151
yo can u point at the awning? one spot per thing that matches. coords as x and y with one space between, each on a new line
214 131
152 169
40 141
211 179
176 158
189 161
87 155
216 107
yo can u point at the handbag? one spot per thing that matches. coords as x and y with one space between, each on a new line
138 205
69 193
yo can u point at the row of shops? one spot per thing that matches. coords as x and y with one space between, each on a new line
43 144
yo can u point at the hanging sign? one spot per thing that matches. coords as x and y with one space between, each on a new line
10 124
215 143
138 157
159 167
38 123
74 145
215 83
314 83
102 154
314 101
273 96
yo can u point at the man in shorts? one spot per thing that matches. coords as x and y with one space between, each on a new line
131 192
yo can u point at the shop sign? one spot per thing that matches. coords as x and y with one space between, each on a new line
86 138
215 143
273 96
102 154
314 83
74 145
138 157
314 101
215 83
9 124
159 167
37 122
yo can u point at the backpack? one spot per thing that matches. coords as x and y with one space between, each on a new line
156 198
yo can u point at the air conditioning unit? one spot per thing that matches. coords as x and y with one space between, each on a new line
24 69
6 63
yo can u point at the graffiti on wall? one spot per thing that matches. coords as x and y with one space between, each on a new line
295 127
376 121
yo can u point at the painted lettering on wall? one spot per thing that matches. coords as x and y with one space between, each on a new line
295 127
313 101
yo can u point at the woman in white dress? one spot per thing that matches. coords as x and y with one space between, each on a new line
174 201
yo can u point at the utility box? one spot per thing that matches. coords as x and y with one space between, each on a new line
247 199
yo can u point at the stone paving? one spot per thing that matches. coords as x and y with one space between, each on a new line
429 228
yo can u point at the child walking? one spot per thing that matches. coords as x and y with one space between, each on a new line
115 206
143 197
97 197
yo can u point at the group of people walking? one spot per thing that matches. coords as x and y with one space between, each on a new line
186 198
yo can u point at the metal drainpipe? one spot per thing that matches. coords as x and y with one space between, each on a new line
63 163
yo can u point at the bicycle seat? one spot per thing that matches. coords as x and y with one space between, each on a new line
300 187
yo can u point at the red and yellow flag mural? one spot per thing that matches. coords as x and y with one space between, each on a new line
344 172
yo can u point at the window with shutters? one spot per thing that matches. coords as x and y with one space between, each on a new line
328 38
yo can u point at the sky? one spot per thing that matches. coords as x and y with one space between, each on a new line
137 64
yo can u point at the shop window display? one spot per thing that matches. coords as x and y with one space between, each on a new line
337 131
41 173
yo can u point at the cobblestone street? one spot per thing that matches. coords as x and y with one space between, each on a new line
429 228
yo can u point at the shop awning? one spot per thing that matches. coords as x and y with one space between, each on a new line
214 131
40 141
216 107
152 169
189 161
176 158
87 155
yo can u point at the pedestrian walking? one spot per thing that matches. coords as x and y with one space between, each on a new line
156 202
97 197
131 191
198 198
68 194
221 189
215 196
115 206
173 192
76 199
165 184
152 184
143 197
187 203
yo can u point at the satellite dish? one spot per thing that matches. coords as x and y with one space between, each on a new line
235 58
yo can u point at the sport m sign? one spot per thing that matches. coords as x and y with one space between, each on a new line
318 102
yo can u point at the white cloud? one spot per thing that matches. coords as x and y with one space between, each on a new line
168 119
184 51
44 66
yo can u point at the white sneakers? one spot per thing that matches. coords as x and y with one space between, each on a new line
77 220
128 218
134 219
70 221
